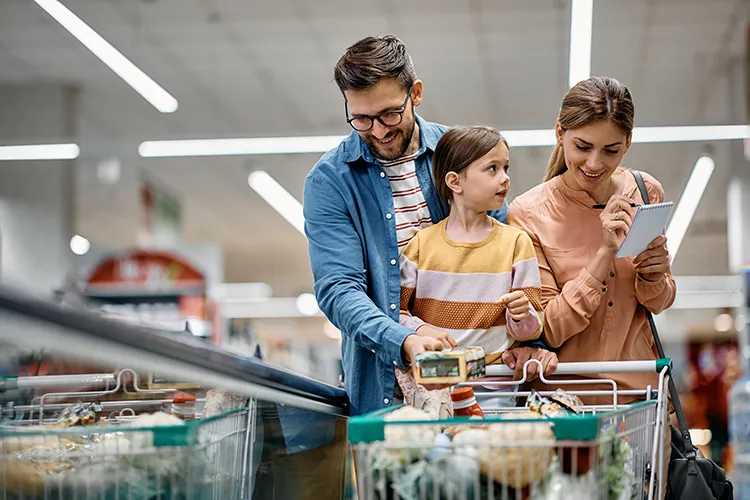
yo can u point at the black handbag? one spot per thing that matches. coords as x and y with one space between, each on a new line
691 475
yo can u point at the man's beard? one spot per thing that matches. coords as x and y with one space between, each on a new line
399 152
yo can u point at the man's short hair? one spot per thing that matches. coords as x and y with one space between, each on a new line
372 59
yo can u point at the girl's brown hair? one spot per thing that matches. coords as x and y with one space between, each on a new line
590 101
459 148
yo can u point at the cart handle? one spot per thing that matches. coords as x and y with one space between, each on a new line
593 367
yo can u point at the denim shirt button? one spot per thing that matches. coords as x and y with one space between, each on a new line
382 175
387 401
393 307
393 262
389 216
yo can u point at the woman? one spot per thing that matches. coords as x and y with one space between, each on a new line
595 304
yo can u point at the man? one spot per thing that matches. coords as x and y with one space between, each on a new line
363 202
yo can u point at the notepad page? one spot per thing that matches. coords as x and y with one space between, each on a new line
648 223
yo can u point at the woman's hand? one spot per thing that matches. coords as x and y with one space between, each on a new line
516 358
653 263
443 337
616 218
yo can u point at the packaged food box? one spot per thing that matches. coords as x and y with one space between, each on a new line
451 366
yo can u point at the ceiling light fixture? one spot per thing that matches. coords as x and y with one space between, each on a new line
101 48
279 198
320 144
79 245
688 203
39 152
581 27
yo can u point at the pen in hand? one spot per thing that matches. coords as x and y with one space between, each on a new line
632 205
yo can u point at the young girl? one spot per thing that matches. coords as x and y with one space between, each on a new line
469 280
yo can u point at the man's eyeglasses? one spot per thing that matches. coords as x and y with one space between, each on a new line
363 123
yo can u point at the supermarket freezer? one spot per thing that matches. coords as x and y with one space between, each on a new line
254 430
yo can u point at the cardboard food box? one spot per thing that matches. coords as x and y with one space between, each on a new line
451 366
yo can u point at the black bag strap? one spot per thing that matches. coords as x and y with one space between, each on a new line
684 431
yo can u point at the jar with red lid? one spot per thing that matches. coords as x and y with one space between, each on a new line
183 406
465 403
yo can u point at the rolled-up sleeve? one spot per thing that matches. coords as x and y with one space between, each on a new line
340 278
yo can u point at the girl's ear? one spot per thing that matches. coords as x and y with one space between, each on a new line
454 182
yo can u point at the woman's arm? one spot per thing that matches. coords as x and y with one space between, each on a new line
654 285
568 311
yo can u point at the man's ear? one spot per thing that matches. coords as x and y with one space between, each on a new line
454 182
416 92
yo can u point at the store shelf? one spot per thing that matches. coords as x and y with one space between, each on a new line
34 323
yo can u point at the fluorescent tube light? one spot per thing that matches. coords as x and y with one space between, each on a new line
688 203
101 48
279 198
39 152
239 146
527 138
735 246
581 26
691 133
322 143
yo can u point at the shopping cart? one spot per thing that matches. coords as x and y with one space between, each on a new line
612 451
132 456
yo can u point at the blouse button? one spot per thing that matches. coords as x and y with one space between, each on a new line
611 304
611 275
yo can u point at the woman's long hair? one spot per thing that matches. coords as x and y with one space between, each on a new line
590 101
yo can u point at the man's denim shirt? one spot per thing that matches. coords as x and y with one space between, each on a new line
351 231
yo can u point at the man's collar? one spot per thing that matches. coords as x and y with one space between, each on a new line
355 147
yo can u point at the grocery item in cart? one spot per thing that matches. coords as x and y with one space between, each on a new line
183 406
410 438
577 459
465 403
79 414
559 404
450 366
526 452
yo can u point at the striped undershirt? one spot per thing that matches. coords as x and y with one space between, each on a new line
409 205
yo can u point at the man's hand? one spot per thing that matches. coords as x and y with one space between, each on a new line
445 338
517 304
517 357
415 344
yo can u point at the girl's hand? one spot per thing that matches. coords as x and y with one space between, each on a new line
517 304
439 335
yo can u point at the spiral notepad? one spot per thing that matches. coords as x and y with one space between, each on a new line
648 223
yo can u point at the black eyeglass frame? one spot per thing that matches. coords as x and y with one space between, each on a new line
377 117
